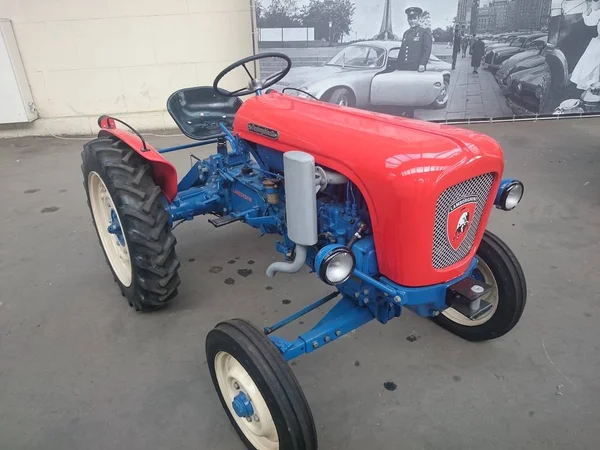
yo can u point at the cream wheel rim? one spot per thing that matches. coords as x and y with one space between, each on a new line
108 223
234 381
490 297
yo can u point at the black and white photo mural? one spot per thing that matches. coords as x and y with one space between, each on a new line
438 60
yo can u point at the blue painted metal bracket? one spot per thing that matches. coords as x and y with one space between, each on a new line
425 301
230 138
190 178
343 318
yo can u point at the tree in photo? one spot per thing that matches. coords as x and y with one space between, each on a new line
426 20
441 35
331 19
279 14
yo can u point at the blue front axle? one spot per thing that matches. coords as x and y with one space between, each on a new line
374 299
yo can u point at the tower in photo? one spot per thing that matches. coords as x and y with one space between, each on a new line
386 32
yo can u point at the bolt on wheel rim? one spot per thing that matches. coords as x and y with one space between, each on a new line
235 383
490 297
110 229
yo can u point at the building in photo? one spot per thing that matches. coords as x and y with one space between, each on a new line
532 14
485 20
502 12
463 13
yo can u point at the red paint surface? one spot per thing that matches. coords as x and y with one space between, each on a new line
164 173
401 166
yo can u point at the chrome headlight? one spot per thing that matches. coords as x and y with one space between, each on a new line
519 88
335 263
509 195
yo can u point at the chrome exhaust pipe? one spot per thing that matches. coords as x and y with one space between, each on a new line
289 267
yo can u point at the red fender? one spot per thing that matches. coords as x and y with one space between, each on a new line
164 173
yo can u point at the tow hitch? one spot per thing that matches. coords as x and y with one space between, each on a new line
466 298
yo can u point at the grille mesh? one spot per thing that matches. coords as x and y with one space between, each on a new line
443 253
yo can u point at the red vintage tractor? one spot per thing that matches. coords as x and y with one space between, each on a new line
390 212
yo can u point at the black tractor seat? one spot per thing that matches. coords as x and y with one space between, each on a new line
198 111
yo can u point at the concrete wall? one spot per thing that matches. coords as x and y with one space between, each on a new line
84 58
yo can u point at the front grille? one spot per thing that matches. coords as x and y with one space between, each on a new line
489 58
444 254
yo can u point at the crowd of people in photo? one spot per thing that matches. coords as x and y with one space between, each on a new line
463 43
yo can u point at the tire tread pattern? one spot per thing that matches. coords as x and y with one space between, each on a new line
283 383
128 177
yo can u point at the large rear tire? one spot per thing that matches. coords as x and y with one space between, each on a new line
499 268
258 390
131 222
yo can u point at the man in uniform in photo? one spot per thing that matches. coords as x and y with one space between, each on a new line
416 43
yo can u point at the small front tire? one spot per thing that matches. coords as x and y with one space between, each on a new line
499 268
258 390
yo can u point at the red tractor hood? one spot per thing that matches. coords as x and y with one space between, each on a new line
401 167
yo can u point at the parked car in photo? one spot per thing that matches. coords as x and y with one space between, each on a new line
521 61
527 93
494 58
541 86
364 75
505 41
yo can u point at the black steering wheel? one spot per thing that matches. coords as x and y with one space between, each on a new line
254 85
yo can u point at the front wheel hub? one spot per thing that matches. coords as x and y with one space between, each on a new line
242 406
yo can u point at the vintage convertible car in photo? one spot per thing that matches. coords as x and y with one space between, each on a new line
544 83
533 42
364 75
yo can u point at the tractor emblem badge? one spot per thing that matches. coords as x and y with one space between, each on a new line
460 218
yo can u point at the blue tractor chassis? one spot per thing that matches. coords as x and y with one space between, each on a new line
364 298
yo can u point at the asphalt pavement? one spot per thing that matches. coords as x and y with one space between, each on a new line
79 369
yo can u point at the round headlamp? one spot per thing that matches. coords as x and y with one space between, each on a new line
510 194
335 264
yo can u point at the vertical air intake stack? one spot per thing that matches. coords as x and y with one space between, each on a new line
300 208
